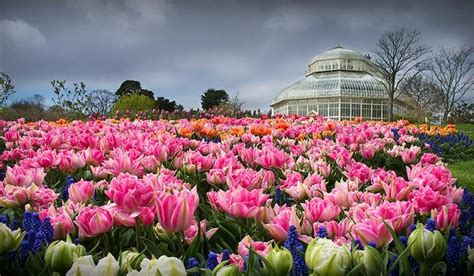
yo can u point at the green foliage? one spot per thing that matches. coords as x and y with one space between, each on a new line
133 103
131 87
462 113
213 98
167 105
6 88
73 102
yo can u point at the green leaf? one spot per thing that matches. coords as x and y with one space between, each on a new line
438 268
405 268
357 270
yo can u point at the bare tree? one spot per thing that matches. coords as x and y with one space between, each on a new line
73 102
451 72
6 88
236 102
426 95
399 56
100 102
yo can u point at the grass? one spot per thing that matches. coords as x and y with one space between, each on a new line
463 170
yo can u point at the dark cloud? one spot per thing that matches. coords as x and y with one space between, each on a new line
178 49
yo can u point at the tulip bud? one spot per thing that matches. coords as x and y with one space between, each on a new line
280 261
162 266
82 266
427 246
60 255
324 257
228 270
371 259
10 240
107 266
130 260
470 254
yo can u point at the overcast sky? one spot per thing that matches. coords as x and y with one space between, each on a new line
178 49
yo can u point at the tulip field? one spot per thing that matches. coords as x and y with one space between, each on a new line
233 196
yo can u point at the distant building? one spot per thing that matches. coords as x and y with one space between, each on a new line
339 84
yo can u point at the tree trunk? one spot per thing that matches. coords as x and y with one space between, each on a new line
390 108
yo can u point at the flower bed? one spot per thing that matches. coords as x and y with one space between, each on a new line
278 196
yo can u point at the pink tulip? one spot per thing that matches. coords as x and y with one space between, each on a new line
395 188
320 210
81 191
372 230
438 178
48 159
425 199
446 217
281 220
176 211
60 220
41 197
271 159
99 172
335 229
429 158
18 176
94 221
245 178
368 152
239 202
71 162
12 196
191 233
130 193
262 248
11 136
93 156
410 155
216 177
400 214
147 216
357 171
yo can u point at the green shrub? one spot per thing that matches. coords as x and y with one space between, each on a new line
133 104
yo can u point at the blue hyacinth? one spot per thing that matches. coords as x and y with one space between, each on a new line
65 191
463 218
396 271
38 235
358 245
430 225
404 240
225 255
212 262
412 228
4 219
277 195
322 232
295 247
192 262
466 198
465 242
372 244
452 252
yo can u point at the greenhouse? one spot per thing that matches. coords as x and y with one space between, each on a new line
339 84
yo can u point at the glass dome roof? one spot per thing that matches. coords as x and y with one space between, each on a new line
330 84
339 53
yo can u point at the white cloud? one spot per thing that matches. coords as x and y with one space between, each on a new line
20 34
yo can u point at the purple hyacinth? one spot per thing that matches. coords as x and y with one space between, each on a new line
296 248
322 232
430 225
212 262
225 255
452 252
